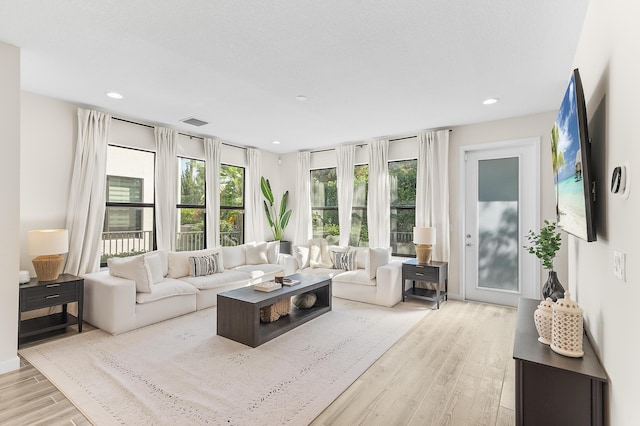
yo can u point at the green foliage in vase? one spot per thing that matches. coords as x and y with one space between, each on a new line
545 244
278 222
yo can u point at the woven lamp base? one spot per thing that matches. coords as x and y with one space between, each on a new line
48 267
423 252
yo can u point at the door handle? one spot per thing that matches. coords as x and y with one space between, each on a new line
468 244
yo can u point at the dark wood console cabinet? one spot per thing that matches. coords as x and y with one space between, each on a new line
552 389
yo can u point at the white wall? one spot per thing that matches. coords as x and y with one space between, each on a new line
610 70
10 206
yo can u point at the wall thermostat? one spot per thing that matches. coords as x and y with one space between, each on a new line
620 180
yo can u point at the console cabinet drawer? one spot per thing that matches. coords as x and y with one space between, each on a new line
48 295
420 273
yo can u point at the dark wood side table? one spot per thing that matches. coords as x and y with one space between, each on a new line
552 389
432 272
36 295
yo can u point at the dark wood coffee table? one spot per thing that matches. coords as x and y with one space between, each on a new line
239 310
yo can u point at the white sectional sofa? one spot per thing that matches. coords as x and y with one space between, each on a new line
159 285
373 278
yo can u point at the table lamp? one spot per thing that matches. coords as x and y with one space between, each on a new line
47 245
424 238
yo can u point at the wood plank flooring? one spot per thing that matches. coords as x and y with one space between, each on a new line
453 368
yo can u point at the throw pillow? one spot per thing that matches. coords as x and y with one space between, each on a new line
234 256
205 265
153 261
319 256
301 254
256 254
377 257
273 251
132 268
179 261
345 260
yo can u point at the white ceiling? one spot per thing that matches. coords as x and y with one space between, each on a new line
368 68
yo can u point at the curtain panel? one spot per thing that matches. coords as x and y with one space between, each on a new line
302 209
87 198
346 155
378 202
254 212
212 152
166 187
432 192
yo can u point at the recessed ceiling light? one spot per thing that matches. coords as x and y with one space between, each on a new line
490 101
114 95
276 142
301 98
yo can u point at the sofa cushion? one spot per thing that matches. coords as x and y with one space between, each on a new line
204 265
362 253
234 256
359 276
256 254
273 251
179 265
133 268
168 288
376 257
226 278
154 263
344 260
257 271
321 272
301 254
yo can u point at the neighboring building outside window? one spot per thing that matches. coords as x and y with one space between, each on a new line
231 205
191 232
324 205
402 183
129 225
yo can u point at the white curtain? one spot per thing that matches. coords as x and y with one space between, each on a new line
378 201
432 192
87 198
212 150
302 209
254 210
166 187
346 158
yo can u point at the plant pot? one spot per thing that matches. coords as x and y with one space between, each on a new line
285 247
552 288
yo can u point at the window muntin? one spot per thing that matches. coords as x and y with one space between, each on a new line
231 205
191 232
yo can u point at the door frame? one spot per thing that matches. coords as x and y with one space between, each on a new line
533 142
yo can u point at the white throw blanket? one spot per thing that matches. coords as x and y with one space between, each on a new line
319 255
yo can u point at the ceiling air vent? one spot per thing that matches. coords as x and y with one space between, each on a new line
194 121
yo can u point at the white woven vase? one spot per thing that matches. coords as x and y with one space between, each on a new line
543 318
567 327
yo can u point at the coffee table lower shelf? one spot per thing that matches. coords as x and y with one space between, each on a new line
238 315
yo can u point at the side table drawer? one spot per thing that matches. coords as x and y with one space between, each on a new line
45 296
419 273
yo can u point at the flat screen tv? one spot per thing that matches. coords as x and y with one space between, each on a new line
571 157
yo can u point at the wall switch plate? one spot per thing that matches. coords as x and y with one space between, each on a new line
619 264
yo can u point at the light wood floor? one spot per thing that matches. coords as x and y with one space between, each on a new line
453 368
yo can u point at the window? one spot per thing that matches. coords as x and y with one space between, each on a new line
191 233
402 182
324 205
129 215
359 235
231 205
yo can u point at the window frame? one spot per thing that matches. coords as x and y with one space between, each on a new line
202 207
404 206
230 208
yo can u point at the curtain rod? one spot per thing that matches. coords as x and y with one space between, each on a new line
183 134
360 145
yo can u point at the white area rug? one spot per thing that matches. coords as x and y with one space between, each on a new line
180 372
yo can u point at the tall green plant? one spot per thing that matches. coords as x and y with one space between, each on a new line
545 244
277 222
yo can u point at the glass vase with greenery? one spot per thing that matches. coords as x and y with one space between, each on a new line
545 245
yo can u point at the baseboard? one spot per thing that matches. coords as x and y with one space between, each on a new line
9 364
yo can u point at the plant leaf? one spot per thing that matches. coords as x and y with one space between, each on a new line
265 186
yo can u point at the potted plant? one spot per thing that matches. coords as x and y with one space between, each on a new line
545 246
277 222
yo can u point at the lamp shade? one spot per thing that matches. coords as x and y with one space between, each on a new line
48 241
424 235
